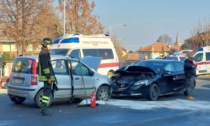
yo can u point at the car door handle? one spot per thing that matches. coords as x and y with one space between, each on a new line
76 78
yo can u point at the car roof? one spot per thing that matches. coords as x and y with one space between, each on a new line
52 57
160 60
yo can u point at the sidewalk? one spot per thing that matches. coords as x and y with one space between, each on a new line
204 76
3 91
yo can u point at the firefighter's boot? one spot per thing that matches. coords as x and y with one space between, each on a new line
44 111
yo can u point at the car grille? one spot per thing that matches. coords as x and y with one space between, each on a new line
123 83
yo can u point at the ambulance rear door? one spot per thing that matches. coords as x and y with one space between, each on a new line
208 61
199 59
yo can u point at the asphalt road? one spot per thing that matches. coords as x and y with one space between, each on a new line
173 110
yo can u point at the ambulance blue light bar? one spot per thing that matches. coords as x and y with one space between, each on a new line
70 40
56 41
200 49
66 40
176 53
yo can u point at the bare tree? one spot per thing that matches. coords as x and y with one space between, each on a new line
79 18
117 45
165 39
201 35
26 21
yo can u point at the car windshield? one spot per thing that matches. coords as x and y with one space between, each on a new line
126 63
59 51
173 58
182 59
176 58
154 65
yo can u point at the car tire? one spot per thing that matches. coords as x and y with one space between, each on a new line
153 92
38 99
103 93
16 99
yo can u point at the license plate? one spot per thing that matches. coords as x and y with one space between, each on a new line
18 81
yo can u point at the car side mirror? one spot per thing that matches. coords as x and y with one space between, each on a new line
92 72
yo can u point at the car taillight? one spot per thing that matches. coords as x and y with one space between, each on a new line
34 73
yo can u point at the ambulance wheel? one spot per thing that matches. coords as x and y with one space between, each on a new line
103 93
110 73
38 99
16 99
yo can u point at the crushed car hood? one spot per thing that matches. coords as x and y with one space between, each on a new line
91 62
135 69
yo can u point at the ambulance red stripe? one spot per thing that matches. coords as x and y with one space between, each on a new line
202 63
104 65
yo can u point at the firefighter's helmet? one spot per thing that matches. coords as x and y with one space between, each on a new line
46 41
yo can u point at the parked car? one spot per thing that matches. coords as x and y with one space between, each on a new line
149 78
24 84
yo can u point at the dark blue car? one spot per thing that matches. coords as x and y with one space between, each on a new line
149 78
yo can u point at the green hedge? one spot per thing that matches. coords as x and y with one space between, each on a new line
6 57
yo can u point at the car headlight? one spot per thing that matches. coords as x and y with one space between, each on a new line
141 82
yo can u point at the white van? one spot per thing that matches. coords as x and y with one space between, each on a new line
78 46
202 60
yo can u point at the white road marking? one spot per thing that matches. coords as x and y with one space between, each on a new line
6 123
178 104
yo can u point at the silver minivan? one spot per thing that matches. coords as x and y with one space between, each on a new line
75 79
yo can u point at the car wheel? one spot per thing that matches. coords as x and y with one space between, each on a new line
38 99
103 93
17 100
153 92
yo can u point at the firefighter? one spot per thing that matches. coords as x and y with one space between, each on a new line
46 74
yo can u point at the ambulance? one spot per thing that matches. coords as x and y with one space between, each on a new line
78 46
202 60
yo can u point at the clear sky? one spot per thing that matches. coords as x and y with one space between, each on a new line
146 20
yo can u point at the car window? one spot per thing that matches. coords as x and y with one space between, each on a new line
90 52
59 67
169 67
105 53
22 65
78 68
207 56
182 58
179 67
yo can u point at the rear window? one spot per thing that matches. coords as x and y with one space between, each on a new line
22 65
104 53
59 51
